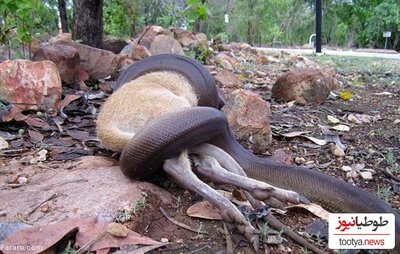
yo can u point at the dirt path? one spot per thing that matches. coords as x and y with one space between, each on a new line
377 53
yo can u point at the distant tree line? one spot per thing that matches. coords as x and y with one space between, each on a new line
346 23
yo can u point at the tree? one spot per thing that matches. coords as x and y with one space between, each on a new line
88 21
63 15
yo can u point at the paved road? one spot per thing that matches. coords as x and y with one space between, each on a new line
332 52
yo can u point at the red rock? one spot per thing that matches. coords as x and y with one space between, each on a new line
113 45
248 116
63 37
227 79
305 86
30 85
134 51
225 61
98 63
65 57
185 38
148 34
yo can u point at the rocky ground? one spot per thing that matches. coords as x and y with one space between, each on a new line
48 172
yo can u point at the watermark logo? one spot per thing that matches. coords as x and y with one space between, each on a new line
21 248
361 231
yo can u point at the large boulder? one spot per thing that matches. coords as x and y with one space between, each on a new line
248 116
305 86
134 51
74 187
30 85
113 45
163 44
65 57
98 63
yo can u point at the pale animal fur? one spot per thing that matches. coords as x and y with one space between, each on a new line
139 101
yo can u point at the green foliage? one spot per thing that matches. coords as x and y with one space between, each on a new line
340 34
20 19
196 10
119 17
385 17
202 54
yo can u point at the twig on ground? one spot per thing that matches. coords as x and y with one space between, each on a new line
229 243
180 224
26 215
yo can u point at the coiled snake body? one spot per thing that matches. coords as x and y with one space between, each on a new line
171 133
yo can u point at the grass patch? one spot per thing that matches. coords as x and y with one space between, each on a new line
361 64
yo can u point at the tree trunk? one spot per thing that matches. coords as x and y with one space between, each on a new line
88 21
396 41
63 16
250 28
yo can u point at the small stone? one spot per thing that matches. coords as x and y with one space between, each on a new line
346 168
164 240
337 151
45 208
42 155
300 160
227 79
22 180
33 161
367 175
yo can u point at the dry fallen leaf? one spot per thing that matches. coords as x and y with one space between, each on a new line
91 228
317 141
345 95
14 113
293 134
38 123
281 156
363 118
340 127
45 237
204 210
79 135
315 209
35 136
332 119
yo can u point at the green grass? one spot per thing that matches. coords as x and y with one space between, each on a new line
391 160
130 212
361 64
